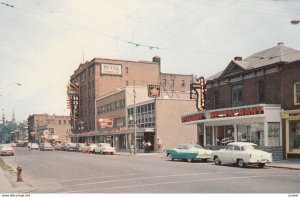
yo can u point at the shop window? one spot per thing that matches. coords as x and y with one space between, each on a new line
236 95
260 89
297 93
294 136
274 134
251 133
209 138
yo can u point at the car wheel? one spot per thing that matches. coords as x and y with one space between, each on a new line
217 160
261 165
170 157
189 160
241 163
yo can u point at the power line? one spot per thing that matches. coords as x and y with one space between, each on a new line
136 44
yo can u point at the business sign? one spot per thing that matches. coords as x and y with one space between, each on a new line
193 117
111 69
73 99
153 90
198 90
105 122
237 112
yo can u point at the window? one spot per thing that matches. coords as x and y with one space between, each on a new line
172 83
183 83
164 82
236 95
297 93
216 100
260 91
127 83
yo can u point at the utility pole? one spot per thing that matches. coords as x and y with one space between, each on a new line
134 95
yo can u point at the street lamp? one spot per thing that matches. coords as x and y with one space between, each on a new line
131 118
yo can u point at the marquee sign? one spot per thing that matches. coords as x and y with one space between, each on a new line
193 117
237 112
73 99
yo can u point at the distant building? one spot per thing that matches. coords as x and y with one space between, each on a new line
49 128
256 99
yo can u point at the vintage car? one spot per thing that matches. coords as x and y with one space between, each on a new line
6 149
105 148
242 153
71 147
33 146
46 146
189 152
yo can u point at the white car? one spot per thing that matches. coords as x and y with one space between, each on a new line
33 146
242 153
105 148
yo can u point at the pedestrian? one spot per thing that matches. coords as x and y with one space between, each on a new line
145 146
148 146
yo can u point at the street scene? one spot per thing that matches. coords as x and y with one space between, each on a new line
54 172
146 96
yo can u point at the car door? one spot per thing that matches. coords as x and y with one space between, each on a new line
226 154
236 153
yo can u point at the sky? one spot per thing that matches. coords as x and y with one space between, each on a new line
44 41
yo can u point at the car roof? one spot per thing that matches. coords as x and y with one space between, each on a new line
241 143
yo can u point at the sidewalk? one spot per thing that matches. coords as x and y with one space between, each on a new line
293 164
9 184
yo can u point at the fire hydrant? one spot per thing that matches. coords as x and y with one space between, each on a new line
19 174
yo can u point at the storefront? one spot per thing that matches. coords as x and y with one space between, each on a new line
259 124
292 127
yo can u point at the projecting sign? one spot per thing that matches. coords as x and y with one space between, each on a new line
111 69
153 91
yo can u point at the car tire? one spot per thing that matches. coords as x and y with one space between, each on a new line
217 160
241 163
189 160
261 165
170 157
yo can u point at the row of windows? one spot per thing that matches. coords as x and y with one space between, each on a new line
111 107
141 109
145 116
237 95
172 83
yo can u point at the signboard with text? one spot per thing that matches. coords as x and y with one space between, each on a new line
111 69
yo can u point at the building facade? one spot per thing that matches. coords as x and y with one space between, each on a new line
100 77
49 128
249 100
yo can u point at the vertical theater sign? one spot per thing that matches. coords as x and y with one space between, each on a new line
73 100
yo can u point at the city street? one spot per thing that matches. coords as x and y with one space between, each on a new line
72 172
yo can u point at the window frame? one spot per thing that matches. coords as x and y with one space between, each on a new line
236 92
296 94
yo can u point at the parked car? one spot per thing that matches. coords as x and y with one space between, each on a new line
64 146
89 148
33 146
79 147
71 147
242 153
46 146
57 146
105 148
6 149
189 152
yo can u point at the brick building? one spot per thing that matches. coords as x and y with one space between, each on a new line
49 128
248 100
100 77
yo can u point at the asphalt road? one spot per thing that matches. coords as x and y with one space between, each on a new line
70 172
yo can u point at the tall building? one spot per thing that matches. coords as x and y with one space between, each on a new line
99 77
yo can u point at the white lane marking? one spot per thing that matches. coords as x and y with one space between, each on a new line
153 177
173 182
99 177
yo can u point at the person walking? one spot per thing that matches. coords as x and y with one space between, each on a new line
148 146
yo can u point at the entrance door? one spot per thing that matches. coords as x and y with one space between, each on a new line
201 140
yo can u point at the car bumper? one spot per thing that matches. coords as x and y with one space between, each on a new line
7 153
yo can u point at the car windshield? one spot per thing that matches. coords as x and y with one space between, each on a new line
197 146
250 147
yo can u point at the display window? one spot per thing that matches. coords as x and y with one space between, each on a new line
251 133
294 136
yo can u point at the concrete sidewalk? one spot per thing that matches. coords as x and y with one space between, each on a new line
293 164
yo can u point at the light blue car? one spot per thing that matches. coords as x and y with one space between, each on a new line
189 152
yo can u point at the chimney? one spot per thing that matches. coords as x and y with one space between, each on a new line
280 43
156 59
238 58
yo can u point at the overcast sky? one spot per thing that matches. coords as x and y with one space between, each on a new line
44 41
